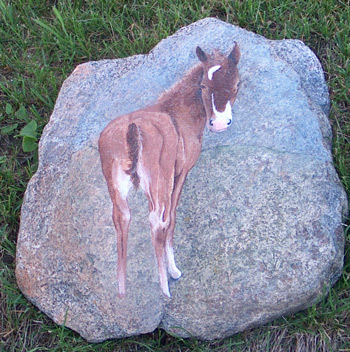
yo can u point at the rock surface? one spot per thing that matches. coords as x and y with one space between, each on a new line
258 231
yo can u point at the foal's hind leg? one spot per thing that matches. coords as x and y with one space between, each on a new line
159 197
158 240
119 187
156 171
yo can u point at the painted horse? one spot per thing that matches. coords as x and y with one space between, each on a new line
155 148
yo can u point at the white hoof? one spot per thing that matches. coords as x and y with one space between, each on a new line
175 273
121 292
166 292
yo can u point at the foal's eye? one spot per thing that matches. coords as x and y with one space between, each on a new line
202 86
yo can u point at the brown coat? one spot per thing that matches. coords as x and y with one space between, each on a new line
156 147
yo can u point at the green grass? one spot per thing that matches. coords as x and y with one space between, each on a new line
40 44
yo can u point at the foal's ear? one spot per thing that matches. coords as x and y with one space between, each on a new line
235 54
201 54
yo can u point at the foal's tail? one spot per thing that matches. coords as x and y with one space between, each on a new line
133 139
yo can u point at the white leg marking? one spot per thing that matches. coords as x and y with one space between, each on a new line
121 287
156 218
173 270
163 277
165 288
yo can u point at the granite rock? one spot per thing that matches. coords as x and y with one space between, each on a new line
259 225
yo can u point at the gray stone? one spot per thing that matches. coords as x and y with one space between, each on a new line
259 226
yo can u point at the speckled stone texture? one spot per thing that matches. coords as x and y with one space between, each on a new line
259 226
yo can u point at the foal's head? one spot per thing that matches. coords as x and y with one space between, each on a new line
219 86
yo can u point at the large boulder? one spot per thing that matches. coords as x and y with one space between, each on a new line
259 225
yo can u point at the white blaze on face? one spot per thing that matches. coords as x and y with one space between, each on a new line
222 119
212 70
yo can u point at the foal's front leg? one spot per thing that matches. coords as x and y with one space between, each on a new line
178 185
